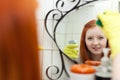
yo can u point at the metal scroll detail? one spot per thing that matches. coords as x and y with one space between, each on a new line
57 15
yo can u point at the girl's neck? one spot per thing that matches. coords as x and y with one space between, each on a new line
96 57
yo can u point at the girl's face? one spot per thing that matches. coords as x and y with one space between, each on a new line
95 40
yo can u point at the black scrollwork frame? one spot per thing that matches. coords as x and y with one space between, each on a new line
61 14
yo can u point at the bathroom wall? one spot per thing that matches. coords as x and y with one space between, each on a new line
50 55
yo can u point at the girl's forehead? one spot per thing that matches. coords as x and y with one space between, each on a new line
94 31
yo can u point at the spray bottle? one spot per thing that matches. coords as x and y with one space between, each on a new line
104 71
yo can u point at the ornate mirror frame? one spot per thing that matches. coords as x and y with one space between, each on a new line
57 15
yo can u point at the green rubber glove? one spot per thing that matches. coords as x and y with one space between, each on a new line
111 27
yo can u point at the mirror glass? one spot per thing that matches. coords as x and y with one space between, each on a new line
70 28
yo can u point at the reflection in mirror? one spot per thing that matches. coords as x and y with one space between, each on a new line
70 28
68 25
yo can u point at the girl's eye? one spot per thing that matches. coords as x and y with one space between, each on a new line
101 38
90 38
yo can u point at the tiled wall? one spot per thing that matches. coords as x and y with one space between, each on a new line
50 55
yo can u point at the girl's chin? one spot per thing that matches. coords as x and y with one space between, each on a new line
97 53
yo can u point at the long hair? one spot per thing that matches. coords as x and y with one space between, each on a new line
18 41
84 52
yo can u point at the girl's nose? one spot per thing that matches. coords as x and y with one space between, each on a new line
95 42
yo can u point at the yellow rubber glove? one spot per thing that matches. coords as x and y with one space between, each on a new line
71 51
111 27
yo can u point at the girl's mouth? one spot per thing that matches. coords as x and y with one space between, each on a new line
96 49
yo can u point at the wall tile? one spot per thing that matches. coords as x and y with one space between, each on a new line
40 31
47 61
43 9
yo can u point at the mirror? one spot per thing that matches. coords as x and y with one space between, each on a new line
69 18
68 24
70 28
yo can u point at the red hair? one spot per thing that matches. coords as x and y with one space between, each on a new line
84 52
18 41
